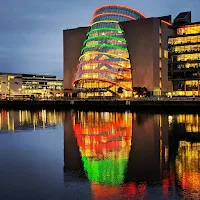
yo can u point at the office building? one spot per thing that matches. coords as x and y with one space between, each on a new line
184 56
119 51
39 86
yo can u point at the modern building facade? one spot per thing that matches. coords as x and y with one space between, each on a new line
121 49
40 86
104 65
184 56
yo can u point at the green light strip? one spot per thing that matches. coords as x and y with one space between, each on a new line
103 45
105 36
105 171
105 29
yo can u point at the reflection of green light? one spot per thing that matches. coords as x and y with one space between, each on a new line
105 171
106 37
105 29
104 45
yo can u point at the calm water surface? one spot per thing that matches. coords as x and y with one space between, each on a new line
98 155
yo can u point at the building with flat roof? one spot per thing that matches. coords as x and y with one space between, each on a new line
119 51
184 56
40 86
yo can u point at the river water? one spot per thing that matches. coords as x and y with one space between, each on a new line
98 155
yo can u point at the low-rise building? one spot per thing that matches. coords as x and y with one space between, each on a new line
39 86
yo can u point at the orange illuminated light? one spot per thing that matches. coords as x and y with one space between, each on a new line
166 23
101 61
117 5
97 70
101 79
112 13
103 53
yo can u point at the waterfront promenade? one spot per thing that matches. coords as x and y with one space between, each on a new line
161 103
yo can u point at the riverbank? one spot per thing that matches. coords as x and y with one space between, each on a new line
110 104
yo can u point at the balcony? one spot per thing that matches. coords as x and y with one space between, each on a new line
184 69
184 52
183 44
175 62
184 35
183 75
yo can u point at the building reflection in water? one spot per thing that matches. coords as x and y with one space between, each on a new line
104 141
124 155
186 142
16 120
188 169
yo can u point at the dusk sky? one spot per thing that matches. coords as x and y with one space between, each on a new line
31 31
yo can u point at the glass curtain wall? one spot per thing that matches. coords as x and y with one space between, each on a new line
184 60
104 67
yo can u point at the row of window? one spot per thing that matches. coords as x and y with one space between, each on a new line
188 66
184 75
186 57
107 49
187 30
100 32
102 74
41 88
185 49
105 24
184 40
106 66
112 17
113 55
106 41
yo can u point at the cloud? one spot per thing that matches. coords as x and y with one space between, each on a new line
31 31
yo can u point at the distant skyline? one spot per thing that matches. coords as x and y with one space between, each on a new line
31 32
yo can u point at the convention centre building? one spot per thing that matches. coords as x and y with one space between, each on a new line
120 51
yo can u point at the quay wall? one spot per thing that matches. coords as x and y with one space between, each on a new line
115 105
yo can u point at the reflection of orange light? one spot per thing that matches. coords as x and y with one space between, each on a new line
128 190
100 148
4 113
185 180
142 188
125 191
102 192
172 179
98 129
190 180
165 186
98 141
187 167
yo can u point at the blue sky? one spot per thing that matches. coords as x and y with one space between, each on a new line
31 30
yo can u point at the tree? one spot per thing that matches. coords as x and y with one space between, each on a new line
120 90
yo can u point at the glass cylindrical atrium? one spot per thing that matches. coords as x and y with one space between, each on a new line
104 67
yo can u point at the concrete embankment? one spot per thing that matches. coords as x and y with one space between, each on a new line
168 105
